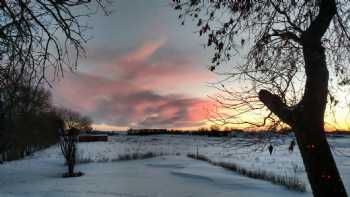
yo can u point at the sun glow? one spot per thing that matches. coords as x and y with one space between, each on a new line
107 127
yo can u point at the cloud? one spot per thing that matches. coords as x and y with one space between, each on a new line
153 65
148 109
143 53
132 89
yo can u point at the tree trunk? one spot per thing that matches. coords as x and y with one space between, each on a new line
70 168
72 155
319 163
307 121
307 118
309 125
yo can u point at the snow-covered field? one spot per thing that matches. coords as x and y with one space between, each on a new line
170 175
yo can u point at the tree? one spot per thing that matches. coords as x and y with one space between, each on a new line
38 39
289 43
32 124
72 124
36 35
68 146
73 119
214 128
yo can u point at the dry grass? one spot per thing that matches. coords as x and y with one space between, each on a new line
292 183
124 157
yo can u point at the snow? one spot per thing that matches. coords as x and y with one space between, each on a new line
170 175
218 149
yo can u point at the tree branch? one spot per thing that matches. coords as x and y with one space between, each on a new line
286 35
275 104
319 26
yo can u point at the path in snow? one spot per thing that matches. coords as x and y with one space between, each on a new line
159 177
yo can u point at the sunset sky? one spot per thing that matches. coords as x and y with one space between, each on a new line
143 70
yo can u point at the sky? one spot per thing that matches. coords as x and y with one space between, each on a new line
143 69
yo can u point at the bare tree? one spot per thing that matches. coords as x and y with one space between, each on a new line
73 123
68 146
38 39
35 35
289 47
73 119
32 125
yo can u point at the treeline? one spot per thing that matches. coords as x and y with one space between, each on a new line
199 132
38 41
29 121
213 131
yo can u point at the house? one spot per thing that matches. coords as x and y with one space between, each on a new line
93 138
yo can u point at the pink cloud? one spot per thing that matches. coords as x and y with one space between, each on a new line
127 90
150 65
143 53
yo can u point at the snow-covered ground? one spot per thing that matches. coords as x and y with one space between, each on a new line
159 177
171 175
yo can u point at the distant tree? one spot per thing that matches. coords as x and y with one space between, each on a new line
228 129
214 128
203 129
286 44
